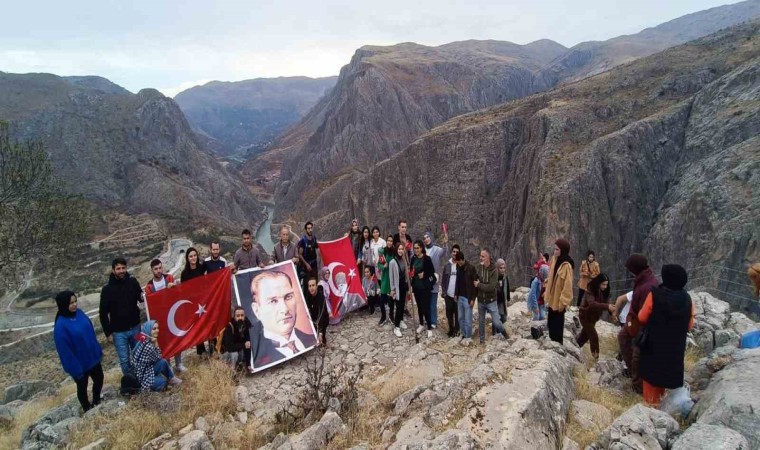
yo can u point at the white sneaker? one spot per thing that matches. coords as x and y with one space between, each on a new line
175 381
180 368
430 334
420 329
397 331
433 327
403 325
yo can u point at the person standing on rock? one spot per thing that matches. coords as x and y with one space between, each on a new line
595 302
543 260
376 244
448 285
315 301
284 250
160 282
214 262
465 292
119 312
385 256
194 269
589 270
502 295
558 293
152 370
423 280
643 283
247 256
437 255
355 236
536 295
398 275
365 252
668 315
308 253
78 348
487 284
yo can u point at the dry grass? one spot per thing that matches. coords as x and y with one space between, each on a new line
207 388
395 385
364 425
692 356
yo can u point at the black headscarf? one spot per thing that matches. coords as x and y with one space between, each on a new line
63 299
564 255
674 277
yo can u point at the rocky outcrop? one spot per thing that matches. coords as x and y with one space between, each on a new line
640 428
710 436
610 163
249 114
26 390
131 152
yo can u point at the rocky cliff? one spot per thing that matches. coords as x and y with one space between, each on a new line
249 114
659 156
131 152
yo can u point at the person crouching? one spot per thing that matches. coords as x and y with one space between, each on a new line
151 369
236 341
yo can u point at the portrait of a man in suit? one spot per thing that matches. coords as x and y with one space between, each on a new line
275 304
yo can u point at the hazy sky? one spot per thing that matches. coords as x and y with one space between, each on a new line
172 45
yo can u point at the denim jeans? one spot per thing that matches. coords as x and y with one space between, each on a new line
434 308
465 317
539 313
124 342
492 308
162 373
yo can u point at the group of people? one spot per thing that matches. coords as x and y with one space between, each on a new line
395 270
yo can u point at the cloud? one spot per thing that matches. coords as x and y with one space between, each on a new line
173 91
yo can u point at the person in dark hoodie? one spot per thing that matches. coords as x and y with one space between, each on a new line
315 301
119 311
465 292
595 301
558 293
78 348
423 280
487 286
643 283
668 314
236 341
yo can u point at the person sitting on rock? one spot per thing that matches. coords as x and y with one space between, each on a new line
668 315
595 301
78 348
236 341
152 370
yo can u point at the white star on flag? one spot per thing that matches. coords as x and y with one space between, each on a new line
351 273
201 310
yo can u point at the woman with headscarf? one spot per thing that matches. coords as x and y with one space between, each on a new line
78 348
589 270
595 302
559 289
668 315
152 370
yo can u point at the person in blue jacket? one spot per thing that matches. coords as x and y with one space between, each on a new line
78 348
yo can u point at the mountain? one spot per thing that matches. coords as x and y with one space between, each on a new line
131 152
594 57
386 97
659 156
235 116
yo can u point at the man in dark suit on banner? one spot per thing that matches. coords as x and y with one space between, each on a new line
275 304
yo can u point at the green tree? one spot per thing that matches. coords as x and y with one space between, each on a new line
39 220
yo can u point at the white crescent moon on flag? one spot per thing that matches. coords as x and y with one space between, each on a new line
175 330
330 267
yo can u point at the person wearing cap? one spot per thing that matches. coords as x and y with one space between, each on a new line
668 315
558 293
643 283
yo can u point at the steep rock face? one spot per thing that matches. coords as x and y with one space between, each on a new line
607 162
387 96
249 114
594 57
133 152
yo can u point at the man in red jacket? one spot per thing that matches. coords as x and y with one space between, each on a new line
159 282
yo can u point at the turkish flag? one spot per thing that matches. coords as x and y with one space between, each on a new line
345 281
191 312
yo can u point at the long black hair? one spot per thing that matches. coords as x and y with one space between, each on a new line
363 241
593 286
186 269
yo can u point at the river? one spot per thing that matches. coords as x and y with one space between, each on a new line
264 234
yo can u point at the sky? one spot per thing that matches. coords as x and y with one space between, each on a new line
173 45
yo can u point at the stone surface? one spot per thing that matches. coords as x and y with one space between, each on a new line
100 444
27 390
414 430
159 442
591 416
639 428
711 437
195 440
319 434
202 424
569 444
731 399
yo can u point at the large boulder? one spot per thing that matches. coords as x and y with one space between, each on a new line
26 390
591 416
195 440
731 398
639 428
316 436
711 315
713 437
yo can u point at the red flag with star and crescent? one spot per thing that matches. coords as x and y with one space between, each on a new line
191 312
345 281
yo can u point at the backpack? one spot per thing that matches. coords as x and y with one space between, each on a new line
130 385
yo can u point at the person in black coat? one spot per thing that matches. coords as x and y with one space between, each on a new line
668 315
315 301
236 340
119 312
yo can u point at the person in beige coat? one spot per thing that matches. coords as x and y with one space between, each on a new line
589 270
558 294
